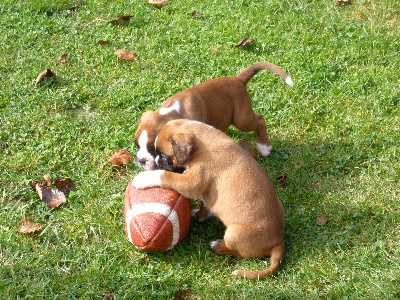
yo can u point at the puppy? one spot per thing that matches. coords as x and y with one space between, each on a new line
231 185
219 102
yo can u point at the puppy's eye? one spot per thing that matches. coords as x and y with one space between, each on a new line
152 150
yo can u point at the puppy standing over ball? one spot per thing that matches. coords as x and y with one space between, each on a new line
231 184
219 102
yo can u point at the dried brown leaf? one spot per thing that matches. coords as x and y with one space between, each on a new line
45 74
104 43
120 18
321 220
342 2
52 197
197 15
158 2
120 157
29 227
125 54
244 42
64 185
63 58
282 179
47 178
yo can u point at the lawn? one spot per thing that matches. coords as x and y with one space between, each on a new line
335 134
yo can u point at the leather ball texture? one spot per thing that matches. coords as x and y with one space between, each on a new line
156 219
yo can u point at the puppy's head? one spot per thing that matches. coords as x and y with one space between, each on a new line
174 147
150 123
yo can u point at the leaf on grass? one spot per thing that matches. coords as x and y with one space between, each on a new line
282 179
244 42
120 157
197 15
181 295
64 185
63 58
47 178
125 54
104 43
158 2
52 197
120 18
29 227
45 74
342 2
321 220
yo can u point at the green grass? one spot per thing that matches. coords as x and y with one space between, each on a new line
335 134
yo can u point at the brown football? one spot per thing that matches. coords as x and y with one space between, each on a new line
156 219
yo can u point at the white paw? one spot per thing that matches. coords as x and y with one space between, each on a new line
194 211
264 149
147 179
213 244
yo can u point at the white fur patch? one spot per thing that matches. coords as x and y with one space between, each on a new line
147 179
159 208
142 143
201 123
176 106
264 150
213 244
289 81
142 153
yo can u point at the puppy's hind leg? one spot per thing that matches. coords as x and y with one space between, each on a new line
248 121
262 138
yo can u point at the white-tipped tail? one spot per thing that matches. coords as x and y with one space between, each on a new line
289 81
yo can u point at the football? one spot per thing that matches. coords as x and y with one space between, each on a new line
156 219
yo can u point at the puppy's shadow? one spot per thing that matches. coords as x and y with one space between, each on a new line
305 175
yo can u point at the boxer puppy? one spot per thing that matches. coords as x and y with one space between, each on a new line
219 102
231 185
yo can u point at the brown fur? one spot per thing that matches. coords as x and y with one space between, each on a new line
219 102
232 185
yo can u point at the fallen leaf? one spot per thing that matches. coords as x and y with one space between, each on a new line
64 185
321 220
47 178
125 54
29 227
342 2
197 15
104 43
282 180
120 157
120 18
63 58
244 42
45 74
158 2
52 197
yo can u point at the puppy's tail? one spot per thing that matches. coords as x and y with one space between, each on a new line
276 256
249 72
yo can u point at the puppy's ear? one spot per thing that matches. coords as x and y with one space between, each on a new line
183 147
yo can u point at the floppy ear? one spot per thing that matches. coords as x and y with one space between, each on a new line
183 147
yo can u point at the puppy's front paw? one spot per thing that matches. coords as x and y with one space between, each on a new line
264 149
201 214
147 179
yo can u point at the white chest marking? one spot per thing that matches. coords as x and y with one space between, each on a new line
176 106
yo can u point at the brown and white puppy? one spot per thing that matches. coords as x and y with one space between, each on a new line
219 102
231 185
